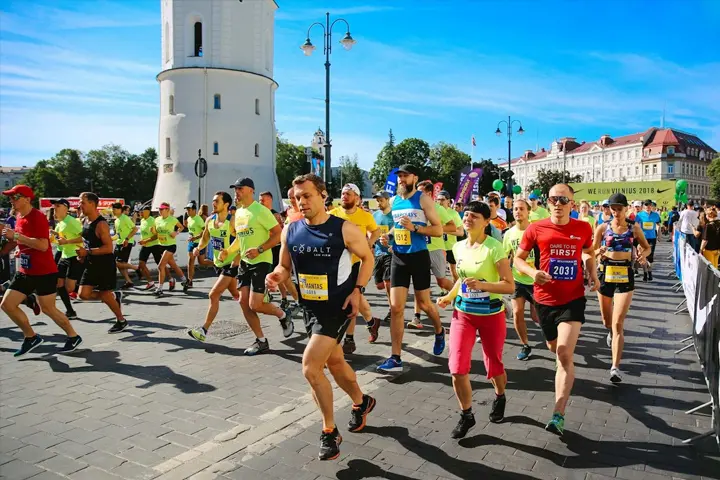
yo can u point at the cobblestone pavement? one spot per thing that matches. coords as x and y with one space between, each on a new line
153 403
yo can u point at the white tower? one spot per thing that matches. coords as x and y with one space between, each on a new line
217 95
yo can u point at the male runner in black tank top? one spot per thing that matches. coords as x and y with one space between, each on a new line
99 279
321 246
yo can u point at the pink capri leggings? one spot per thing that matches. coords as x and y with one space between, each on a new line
462 339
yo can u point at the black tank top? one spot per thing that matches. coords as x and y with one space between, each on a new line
91 240
323 265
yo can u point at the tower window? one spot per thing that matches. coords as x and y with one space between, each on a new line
167 42
257 106
171 105
216 148
167 147
198 39
218 103
257 149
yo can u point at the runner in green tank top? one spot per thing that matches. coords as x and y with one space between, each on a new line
148 246
167 228
195 225
125 230
218 230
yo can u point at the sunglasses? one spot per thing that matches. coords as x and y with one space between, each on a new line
17 196
558 199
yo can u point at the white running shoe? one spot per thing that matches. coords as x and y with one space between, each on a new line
609 339
615 376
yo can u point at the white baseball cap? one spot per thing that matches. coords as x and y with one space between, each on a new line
351 186
637 203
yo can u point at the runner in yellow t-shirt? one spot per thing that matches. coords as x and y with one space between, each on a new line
167 229
349 210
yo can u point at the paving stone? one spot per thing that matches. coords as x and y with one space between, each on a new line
32 454
72 449
92 473
102 460
146 442
133 471
43 440
62 465
142 457
19 470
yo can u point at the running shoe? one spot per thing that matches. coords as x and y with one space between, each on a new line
172 284
650 277
608 340
31 301
556 425
118 297
330 445
127 286
415 324
359 413
257 347
28 345
439 346
497 413
158 292
72 315
198 333
615 376
71 344
150 286
284 304
388 317
390 366
373 329
185 285
525 353
288 327
118 327
73 296
349 346
467 421
190 283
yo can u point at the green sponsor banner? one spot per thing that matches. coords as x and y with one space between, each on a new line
661 192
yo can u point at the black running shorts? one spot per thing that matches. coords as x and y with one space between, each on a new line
653 243
156 251
100 275
253 275
410 267
524 291
553 315
70 268
329 325
450 257
39 284
168 248
381 270
227 271
608 289
122 254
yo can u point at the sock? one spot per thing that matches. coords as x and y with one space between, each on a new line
417 315
183 279
349 338
204 330
160 286
63 293
396 357
363 403
467 412
262 339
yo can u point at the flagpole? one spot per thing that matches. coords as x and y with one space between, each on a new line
472 146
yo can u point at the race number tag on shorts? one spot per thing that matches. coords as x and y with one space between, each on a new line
648 225
314 287
471 294
617 274
402 236
561 269
25 261
217 243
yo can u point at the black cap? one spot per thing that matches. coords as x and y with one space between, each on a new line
382 194
648 202
147 207
192 205
407 168
62 201
618 199
243 182
117 205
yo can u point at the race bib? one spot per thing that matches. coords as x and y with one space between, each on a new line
428 239
617 274
241 229
25 261
217 243
648 225
402 236
162 238
384 229
471 294
314 287
561 269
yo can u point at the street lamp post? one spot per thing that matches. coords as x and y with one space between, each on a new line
498 132
347 42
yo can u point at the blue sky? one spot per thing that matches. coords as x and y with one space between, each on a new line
81 74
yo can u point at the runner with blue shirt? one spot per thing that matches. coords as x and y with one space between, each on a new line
383 256
650 222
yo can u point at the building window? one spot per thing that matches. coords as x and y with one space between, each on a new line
167 42
647 169
171 105
654 168
621 155
7 183
198 40
217 102
606 174
637 171
167 147
216 148
257 149
613 157
671 168
613 173
622 170
257 106
671 150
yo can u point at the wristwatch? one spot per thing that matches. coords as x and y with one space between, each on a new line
261 249
415 227
16 235
361 288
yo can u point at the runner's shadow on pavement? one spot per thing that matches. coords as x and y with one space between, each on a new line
434 455
187 344
359 469
109 361
591 454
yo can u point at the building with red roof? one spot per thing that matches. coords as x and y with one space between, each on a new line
656 154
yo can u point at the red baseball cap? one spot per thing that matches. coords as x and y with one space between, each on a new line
164 205
23 190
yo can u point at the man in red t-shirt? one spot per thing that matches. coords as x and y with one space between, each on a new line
37 274
559 290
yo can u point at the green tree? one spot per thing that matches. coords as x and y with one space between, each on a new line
291 161
70 169
44 180
446 161
347 172
146 165
713 172
416 152
386 161
490 173
546 179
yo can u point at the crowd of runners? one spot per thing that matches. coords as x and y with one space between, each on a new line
321 256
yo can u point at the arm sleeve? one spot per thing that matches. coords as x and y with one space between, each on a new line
529 238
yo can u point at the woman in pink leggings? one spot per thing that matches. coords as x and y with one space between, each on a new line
484 276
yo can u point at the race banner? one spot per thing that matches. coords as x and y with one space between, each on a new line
391 182
662 192
437 187
467 184
676 249
689 268
318 167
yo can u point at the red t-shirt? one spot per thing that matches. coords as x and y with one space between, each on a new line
560 249
35 262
